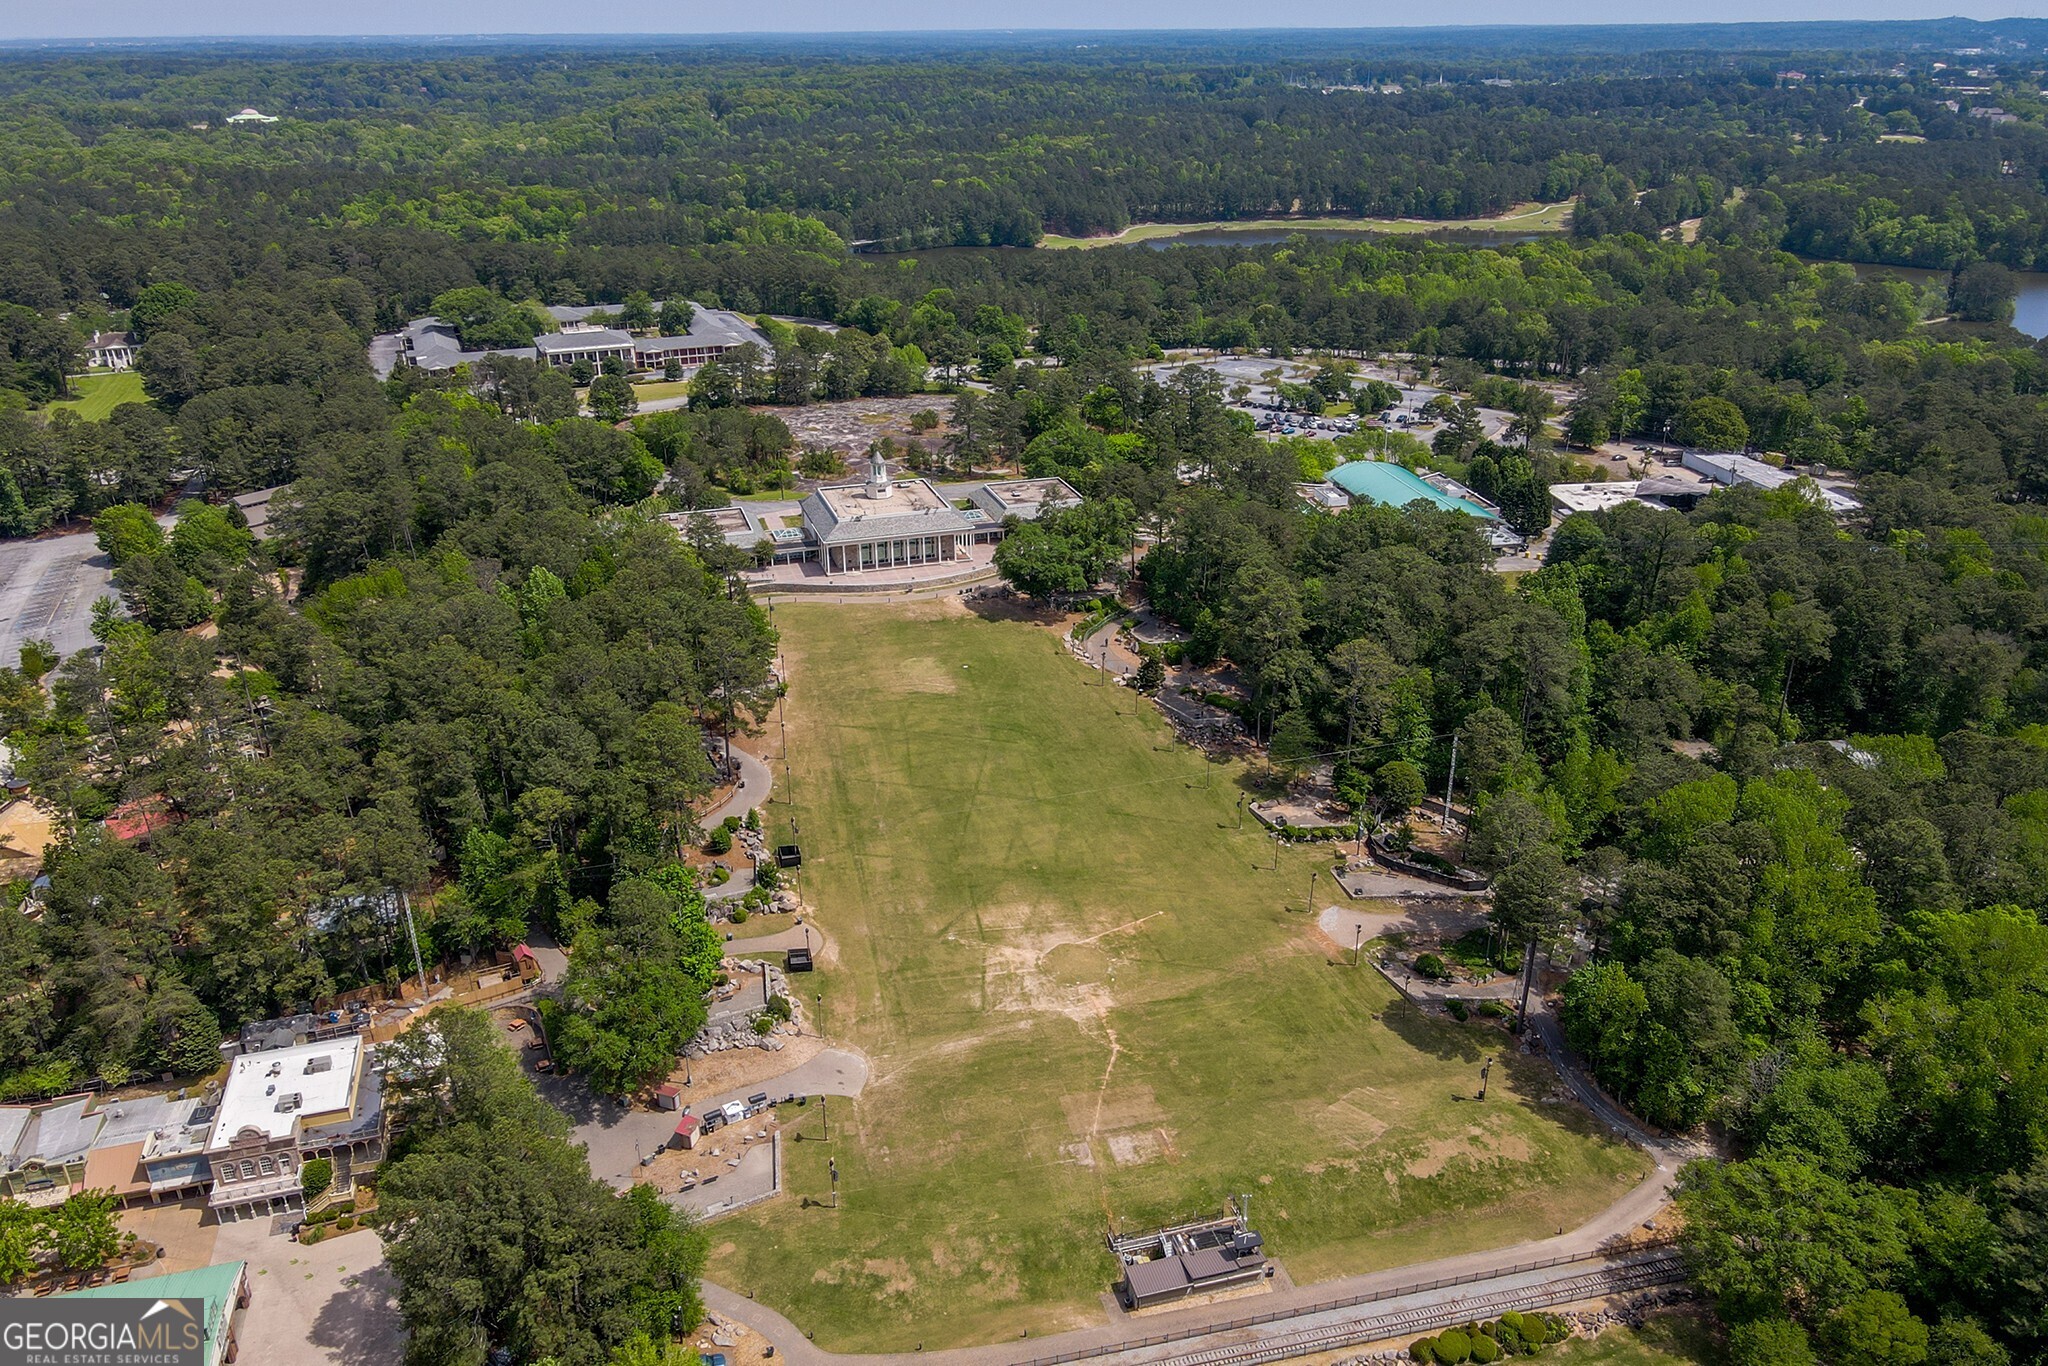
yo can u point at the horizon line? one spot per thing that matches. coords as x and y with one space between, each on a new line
1010 30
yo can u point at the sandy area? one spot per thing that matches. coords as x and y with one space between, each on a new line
722 1072
25 832
721 1333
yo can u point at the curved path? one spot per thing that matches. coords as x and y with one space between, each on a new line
757 780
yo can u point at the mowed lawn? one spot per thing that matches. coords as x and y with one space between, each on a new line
99 395
1088 998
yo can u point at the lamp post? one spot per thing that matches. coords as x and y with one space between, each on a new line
1312 889
1485 1071
1357 943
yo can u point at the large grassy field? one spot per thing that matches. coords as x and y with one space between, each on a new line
1521 218
99 395
1088 997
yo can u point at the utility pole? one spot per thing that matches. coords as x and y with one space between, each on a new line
412 933
1450 781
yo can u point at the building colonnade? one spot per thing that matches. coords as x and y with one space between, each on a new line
864 555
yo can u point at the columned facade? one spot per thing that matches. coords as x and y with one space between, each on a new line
854 557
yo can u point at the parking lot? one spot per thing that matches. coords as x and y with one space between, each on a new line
47 589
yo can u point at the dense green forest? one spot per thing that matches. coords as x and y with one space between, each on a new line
1785 777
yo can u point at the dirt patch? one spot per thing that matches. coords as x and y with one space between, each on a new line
1134 1149
1081 1154
1354 1117
849 427
1002 1282
927 676
894 1272
723 1072
741 1345
1475 1143
1119 1108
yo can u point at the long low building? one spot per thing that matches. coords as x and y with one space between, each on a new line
224 1292
1392 485
434 345
1744 471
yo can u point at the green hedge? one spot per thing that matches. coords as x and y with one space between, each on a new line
333 1212
1452 1346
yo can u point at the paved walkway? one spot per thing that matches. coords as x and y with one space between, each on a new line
757 780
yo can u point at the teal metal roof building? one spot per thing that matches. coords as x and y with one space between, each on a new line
225 1288
1382 481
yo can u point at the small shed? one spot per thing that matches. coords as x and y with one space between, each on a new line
668 1096
687 1129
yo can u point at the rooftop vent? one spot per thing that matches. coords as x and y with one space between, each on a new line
323 1063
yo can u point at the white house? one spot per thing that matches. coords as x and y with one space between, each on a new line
110 351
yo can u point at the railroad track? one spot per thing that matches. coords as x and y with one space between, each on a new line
1662 1268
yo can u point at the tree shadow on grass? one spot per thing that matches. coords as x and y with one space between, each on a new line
1441 1038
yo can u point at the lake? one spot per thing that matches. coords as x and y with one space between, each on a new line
2030 308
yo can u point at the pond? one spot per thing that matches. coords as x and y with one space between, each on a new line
2030 308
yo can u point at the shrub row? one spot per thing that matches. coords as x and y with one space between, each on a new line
1512 1334
333 1212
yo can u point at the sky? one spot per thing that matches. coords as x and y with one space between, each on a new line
268 18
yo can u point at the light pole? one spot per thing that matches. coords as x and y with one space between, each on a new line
1357 943
1485 1071
1312 889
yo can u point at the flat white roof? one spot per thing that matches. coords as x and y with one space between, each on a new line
321 1075
1596 497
